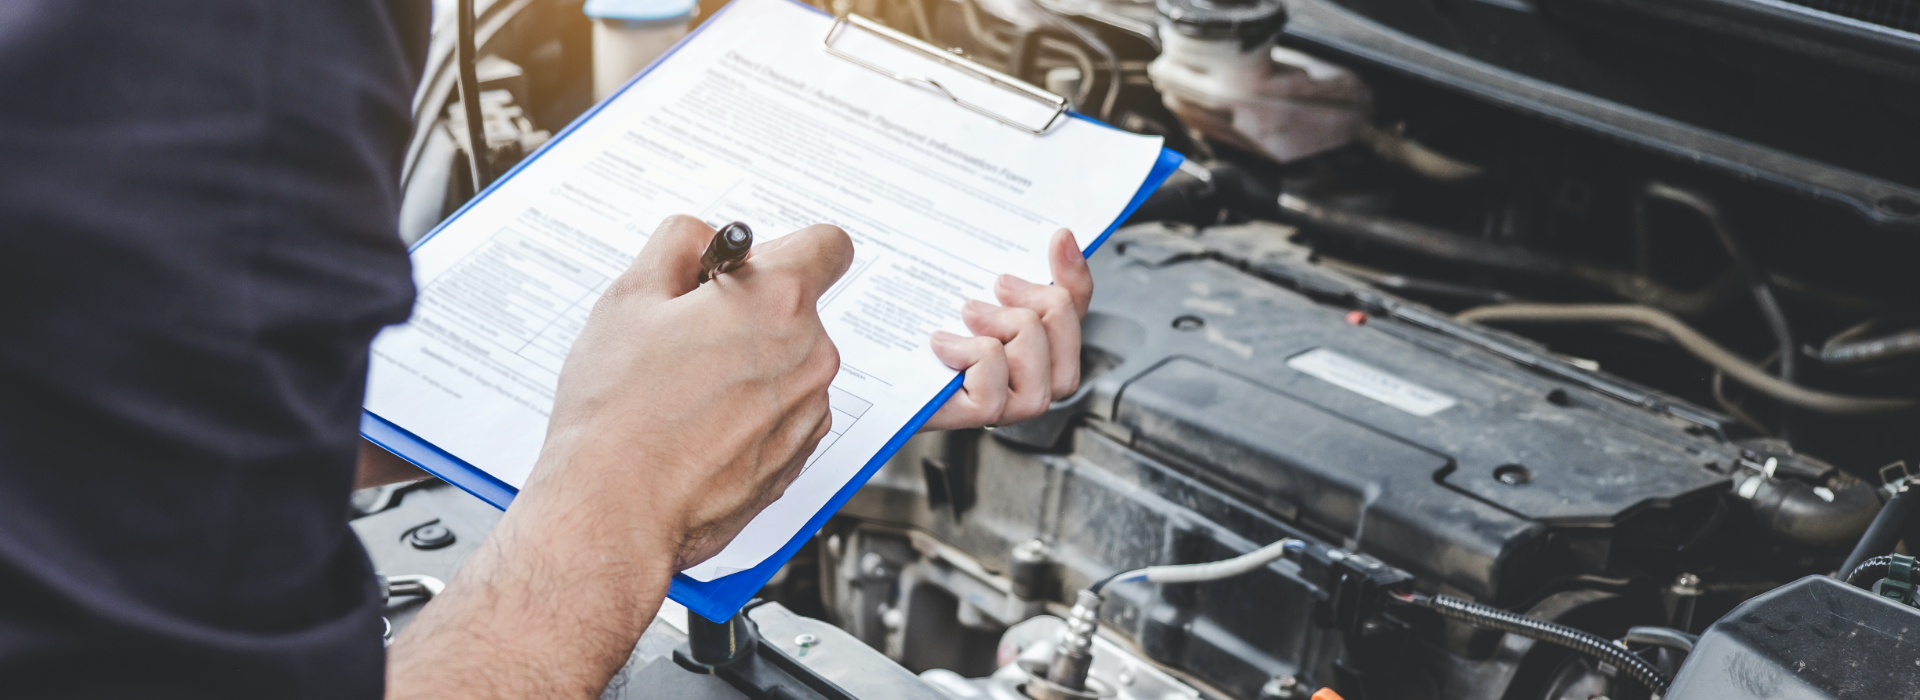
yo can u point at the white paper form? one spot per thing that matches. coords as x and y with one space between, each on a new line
751 120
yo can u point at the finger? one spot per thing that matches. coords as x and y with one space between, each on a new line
814 257
1070 271
1030 385
1060 319
984 392
669 265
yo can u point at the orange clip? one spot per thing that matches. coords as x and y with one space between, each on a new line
1327 694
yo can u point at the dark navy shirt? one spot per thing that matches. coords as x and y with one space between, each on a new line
197 242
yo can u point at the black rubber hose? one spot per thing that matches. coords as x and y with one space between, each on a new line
470 98
1792 512
1427 241
1188 196
1196 194
1869 571
1487 617
1883 532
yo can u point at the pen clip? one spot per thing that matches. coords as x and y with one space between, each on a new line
1056 104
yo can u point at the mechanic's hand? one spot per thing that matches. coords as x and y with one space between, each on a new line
698 404
1025 353
682 411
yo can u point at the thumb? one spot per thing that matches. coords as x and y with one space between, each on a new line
1070 271
669 265
813 257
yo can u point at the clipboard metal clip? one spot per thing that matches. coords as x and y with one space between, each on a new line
1055 103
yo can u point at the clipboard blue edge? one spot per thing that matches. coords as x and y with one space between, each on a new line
721 598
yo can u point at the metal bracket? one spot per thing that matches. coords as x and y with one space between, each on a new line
1057 103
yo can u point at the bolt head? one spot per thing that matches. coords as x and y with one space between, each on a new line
1686 585
432 536
1281 688
806 640
1030 551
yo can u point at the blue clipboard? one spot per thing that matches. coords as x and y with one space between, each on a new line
722 597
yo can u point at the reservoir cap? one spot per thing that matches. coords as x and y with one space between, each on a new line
1250 21
642 13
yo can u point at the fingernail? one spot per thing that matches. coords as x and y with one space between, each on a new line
1013 284
1074 244
978 306
943 337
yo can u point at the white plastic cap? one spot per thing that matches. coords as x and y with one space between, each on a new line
642 12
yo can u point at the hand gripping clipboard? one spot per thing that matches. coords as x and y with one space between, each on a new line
872 46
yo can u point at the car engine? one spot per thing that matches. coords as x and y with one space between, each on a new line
1489 349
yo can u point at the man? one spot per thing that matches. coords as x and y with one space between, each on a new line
197 205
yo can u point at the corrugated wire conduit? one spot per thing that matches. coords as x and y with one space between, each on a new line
1593 645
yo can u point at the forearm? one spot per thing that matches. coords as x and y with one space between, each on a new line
659 449
550 607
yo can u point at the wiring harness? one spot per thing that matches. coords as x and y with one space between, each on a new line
1487 617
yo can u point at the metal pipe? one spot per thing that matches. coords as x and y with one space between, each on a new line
1701 346
1750 270
421 585
464 55
1662 637
1842 352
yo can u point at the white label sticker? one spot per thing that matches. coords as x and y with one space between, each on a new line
1371 382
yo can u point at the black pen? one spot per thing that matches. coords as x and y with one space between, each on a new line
726 251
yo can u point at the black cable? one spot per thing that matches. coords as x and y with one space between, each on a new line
1881 535
470 98
1102 583
1869 571
1593 645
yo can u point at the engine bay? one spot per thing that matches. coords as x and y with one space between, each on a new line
1569 348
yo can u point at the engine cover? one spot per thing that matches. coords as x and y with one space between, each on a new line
1379 437
1233 396
1812 639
